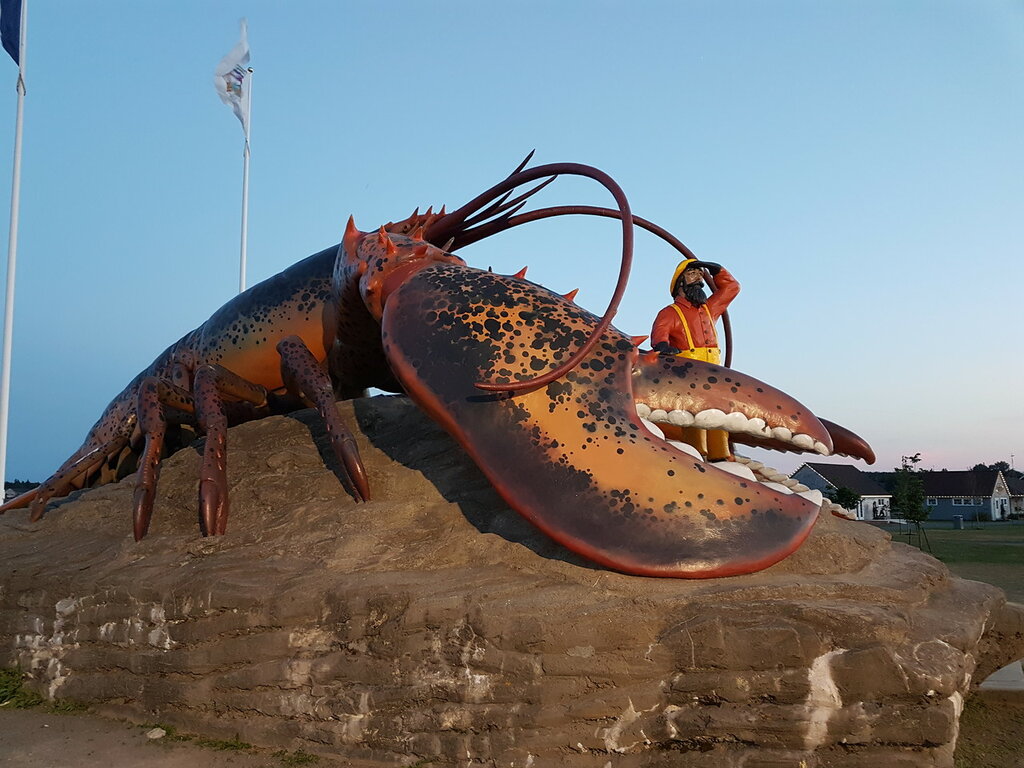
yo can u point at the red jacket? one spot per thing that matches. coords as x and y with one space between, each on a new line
701 320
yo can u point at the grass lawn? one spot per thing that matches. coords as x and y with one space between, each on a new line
990 552
991 735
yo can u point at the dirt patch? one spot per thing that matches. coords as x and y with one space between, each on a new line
32 738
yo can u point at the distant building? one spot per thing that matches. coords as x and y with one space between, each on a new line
16 488
1016 485
875 501
972 494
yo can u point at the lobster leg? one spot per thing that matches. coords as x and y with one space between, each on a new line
154 394
63 481
304 377
21 500
210 385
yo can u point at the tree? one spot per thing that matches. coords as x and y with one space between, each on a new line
908 497
908 491
1000 466
844 497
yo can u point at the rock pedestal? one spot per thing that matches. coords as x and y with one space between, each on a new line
433 622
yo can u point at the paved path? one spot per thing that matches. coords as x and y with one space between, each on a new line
1006 680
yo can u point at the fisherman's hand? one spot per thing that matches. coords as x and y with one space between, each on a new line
664 348
710 266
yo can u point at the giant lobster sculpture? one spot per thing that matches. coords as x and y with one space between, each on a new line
544 396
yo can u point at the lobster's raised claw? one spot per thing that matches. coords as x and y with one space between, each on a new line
846 442
573 456
675 392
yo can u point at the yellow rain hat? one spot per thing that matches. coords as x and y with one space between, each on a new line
683 266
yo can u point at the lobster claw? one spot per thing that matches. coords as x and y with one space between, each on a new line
574 457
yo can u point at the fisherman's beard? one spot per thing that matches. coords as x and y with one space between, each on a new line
694 293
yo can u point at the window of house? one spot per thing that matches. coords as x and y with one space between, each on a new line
932 501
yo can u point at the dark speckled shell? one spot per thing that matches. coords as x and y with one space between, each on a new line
243 333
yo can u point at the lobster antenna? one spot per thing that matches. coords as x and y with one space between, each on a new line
523 164
506 206
509 221
499 204
483 231
454 223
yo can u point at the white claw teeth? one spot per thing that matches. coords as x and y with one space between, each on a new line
799 488
681 418
686 448
653 428
820 447
643 410
777 487
735 469
813 496
712 418
658 414
783 434
735 422
756 427
755 465
803 441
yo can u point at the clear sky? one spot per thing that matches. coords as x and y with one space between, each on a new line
859 166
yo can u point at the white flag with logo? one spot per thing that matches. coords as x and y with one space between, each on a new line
231 79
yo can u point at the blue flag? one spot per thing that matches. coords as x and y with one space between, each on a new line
10 28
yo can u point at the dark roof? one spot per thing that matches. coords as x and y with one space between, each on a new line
963 483
1016 485
848 476
957 483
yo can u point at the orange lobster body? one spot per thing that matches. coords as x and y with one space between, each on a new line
549 400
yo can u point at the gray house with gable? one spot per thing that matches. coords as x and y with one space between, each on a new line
972 494
875 501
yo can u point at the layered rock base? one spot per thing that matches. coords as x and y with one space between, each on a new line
433 623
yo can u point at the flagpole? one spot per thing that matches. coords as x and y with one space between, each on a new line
245 185
12 254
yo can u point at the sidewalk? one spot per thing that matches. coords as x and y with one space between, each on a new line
1006 683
